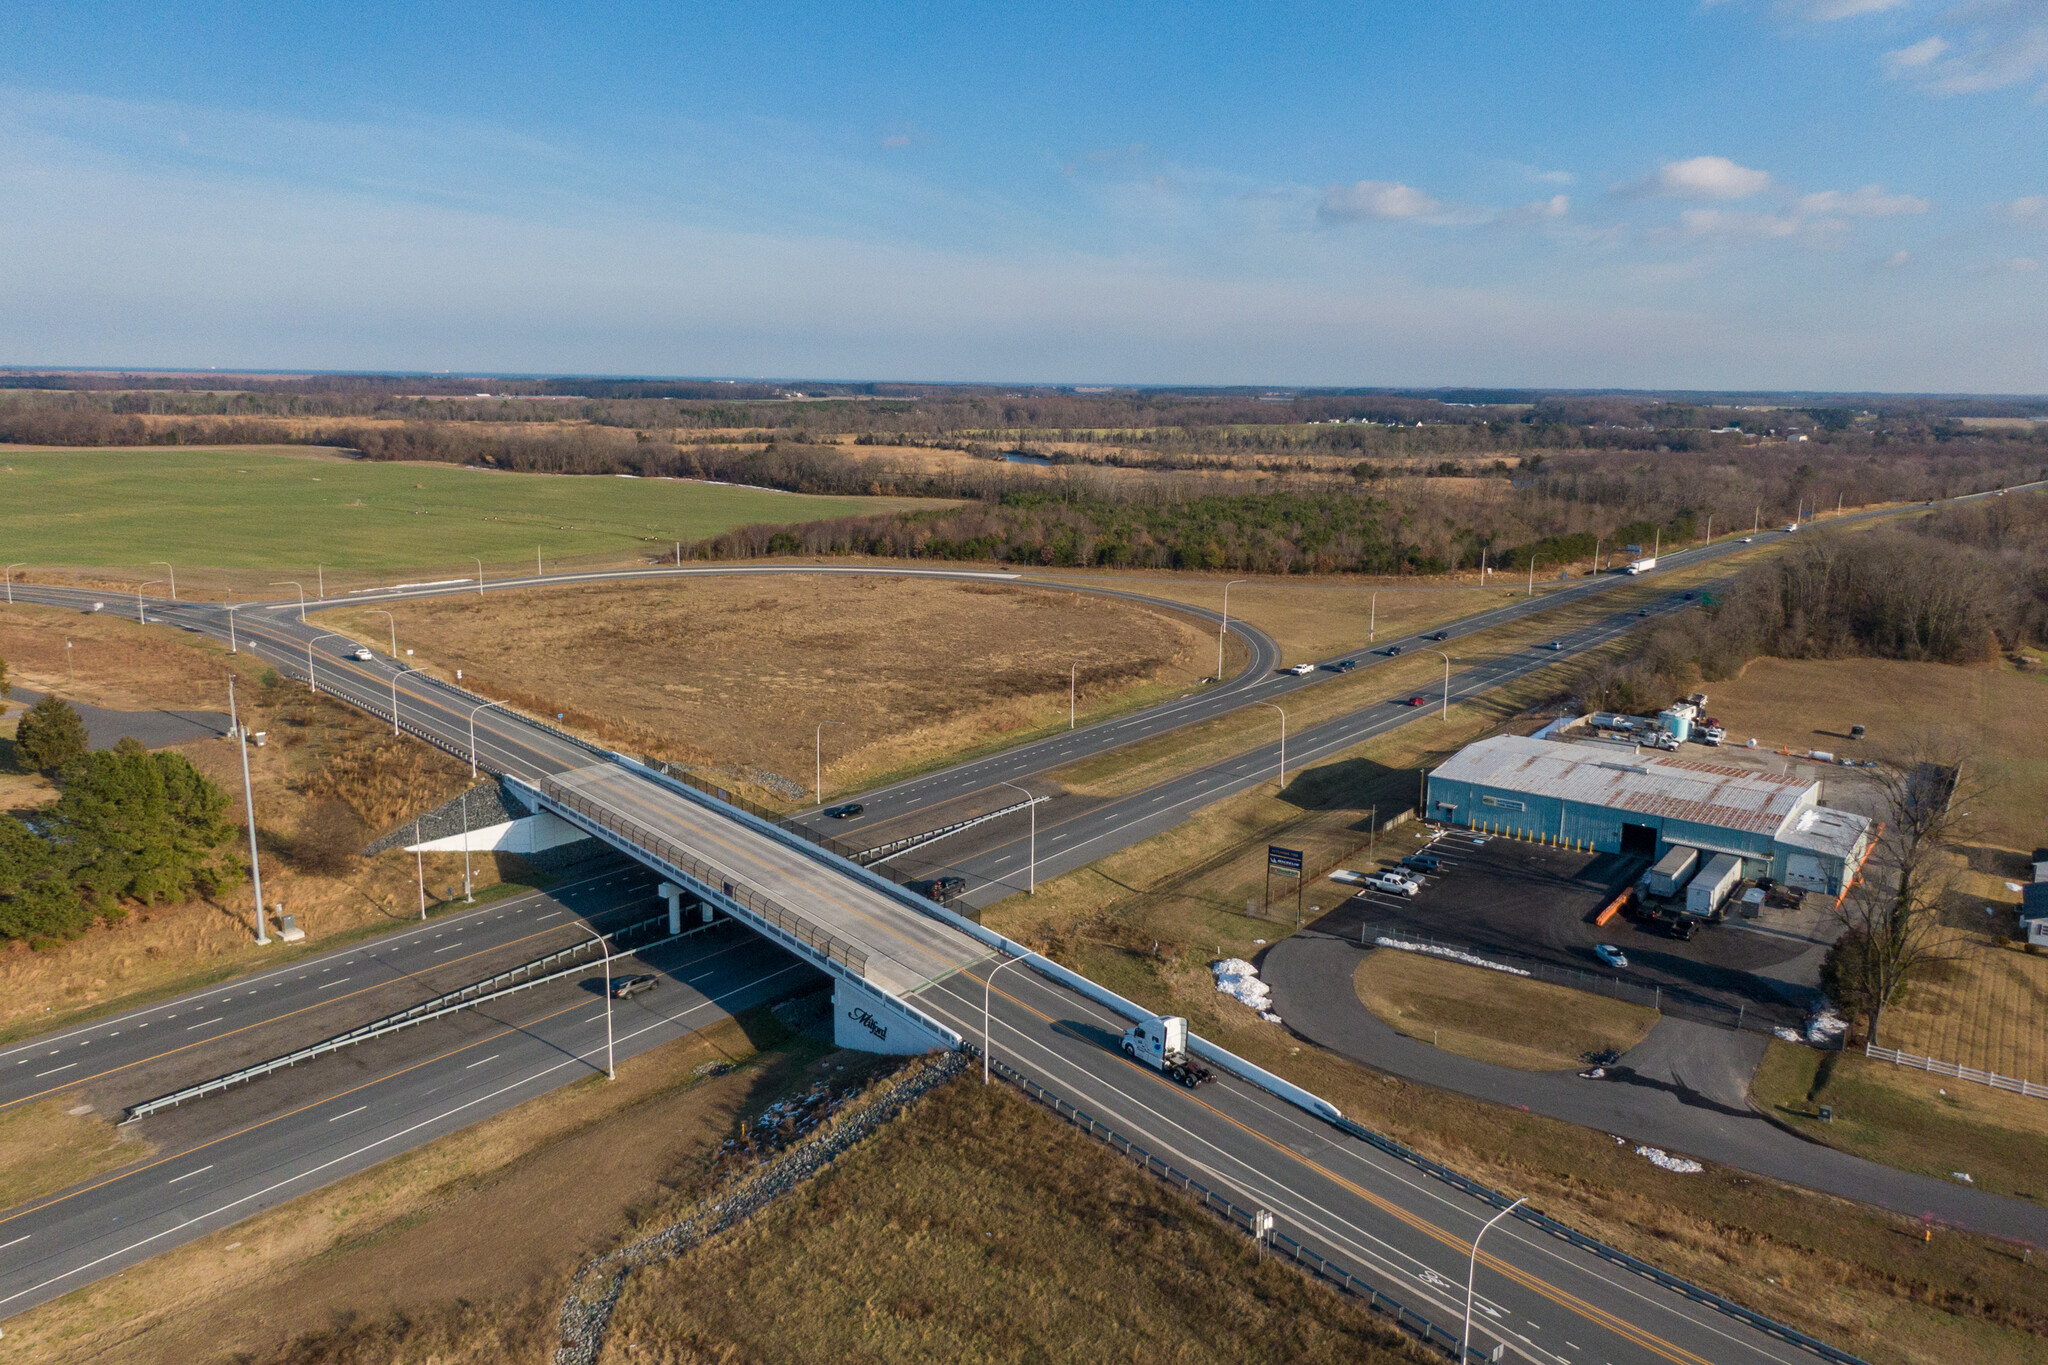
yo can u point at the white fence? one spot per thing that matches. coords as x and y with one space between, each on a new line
1961 1073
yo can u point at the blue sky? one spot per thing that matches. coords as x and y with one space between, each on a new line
1847 194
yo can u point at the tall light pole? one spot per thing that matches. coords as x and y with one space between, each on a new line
232 609
1596 554
1532 575
1225 626
171 571
1073 685
818 756
1283 743
474 737
419 855
611 1072
1031 805
1709 537
1447 679
1372 620
294 583
468 887
1465 1345
479 576
988 1042
249 801
140 618
10 579
538 571
312 682
320 581
394 667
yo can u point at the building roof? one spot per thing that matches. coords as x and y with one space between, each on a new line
1650 784
1826 830
2034 901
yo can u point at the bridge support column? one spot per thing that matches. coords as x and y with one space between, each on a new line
863 1021
673 894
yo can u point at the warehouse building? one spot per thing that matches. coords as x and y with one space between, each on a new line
1645 804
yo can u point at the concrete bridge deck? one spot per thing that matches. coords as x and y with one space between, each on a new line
889 944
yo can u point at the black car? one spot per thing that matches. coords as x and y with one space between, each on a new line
1391 650
847 811
1439 636
1345 665
1681 927
1422 862
626 987
940 889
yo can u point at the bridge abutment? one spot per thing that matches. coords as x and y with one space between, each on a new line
868 1021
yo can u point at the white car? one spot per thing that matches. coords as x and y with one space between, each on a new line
1611 955
361 653
1393 883
1749 540
1302 670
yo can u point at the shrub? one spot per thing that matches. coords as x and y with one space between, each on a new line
49 736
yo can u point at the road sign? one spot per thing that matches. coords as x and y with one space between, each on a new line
1285 861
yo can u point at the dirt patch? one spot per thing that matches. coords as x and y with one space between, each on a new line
1494 1017
713 672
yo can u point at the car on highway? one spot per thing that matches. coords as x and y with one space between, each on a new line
97 606
940 889
1391 650
361 655
847 811
1555 644
1300 670
1643 611
1416 701
1393 883
626 987
1751 540
1611 955
1422 862
1344 665
1438 635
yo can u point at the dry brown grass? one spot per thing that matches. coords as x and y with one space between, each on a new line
720 671
115 662
978 1227
1494 1017
57 1142
1985 1007
458 1251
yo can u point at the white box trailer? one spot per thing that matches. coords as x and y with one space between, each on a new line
1673 870
1704 894
1640 566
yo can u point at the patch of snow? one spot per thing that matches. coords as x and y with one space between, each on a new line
1790 1035
1659 1157
1451 954
1239 980
1346 876
1825 1025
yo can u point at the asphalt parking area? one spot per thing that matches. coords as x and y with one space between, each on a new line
1526 903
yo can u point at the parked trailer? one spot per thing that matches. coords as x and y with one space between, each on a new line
1162 1043
1703 896
1673 870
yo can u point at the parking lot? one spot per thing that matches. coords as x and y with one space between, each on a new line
1526 905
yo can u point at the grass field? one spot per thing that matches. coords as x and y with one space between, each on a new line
741 671
980 1228
287 512
1986 1007
1494 1017
1910 1119
45 1146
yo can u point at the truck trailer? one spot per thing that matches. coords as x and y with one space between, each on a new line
1640 566
1704 894
1162 1044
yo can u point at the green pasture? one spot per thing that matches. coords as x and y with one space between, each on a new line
252 509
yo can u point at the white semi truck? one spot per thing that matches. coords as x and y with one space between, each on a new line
1639 566
1162 1043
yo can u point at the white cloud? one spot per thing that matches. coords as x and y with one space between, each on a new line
1827 11
1996 44
2030 210
1898 260
1701 177
1556 206
1914 55
1376 201
1869 202
1738 223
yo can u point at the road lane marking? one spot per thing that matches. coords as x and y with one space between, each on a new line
202 1023
474 1065
188 1175
351 1113
54 1070
17 1241
336 982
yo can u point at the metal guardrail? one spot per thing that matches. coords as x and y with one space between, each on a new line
792 925
881 853
441 1006
1242 1218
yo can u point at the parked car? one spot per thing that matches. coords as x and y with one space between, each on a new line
1300 670
1681 927
1611 955
1417 701
1422 862
626 987
847 811
1393 883
361 654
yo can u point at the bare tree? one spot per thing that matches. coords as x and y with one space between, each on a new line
1892 915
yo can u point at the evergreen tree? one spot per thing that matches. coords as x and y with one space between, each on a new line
36 899
136 825
48 736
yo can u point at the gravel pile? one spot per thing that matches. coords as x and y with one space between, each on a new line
594 1294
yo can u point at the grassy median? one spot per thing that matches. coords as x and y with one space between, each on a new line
1495 1017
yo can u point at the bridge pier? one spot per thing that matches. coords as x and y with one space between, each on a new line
674 895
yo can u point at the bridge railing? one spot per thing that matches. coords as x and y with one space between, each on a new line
819 940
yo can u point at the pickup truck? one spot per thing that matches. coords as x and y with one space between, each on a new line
1162 1044
1300 670
1393 883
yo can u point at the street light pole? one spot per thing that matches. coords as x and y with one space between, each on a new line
249 802
988 1042
294 583
10 579
140 619
479 576
394 667
232 647
173 573
1073 683
472 735
311 681
1225 626
611 1071
468 886
1372 620
1710 530
1031 805
818 757
1596 554
1283 743
1532 575
1447 679
1465 1344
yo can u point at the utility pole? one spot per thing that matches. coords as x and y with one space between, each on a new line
249 801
